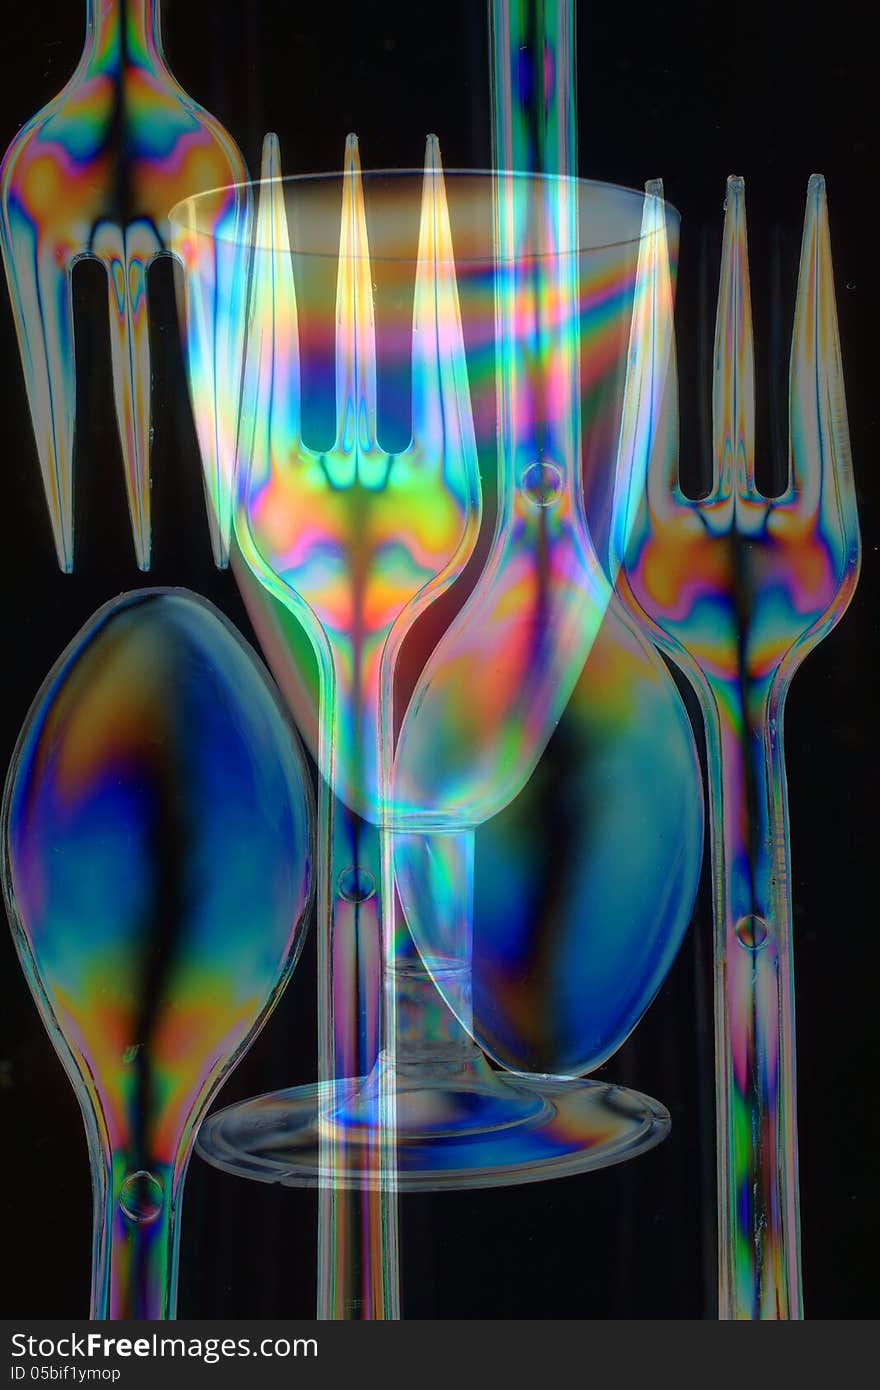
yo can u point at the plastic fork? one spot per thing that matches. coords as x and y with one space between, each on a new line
738 587
356 542
94 174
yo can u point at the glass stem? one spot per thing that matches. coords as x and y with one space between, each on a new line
433 1000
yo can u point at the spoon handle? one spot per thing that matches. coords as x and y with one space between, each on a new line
136 1238
143 1243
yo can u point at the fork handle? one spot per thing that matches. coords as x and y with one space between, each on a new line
758 1207
358 1267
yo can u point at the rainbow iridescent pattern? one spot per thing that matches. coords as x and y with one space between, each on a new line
157 870
738 588
442 342
580 338
96 173
549 928
356 538
581 363
424 339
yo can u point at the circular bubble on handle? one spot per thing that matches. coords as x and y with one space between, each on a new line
584 884
158 866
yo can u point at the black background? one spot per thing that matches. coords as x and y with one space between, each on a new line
693 95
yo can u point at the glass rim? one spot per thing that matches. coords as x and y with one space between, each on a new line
178 219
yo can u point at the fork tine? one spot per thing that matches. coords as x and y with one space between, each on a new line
355 324
733 376
214 248
442 423
821 473
125 256
40 292
275 233
647 456
272 363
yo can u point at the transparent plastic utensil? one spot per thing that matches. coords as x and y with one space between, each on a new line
95 174
157 867
583 886
356 541
502 673
507 670
737 588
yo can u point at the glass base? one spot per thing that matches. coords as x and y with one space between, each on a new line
461 1126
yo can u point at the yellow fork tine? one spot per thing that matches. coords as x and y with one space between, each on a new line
355 323
441 410
272 370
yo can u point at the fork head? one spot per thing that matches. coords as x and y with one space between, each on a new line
740 586
355 539
94 174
